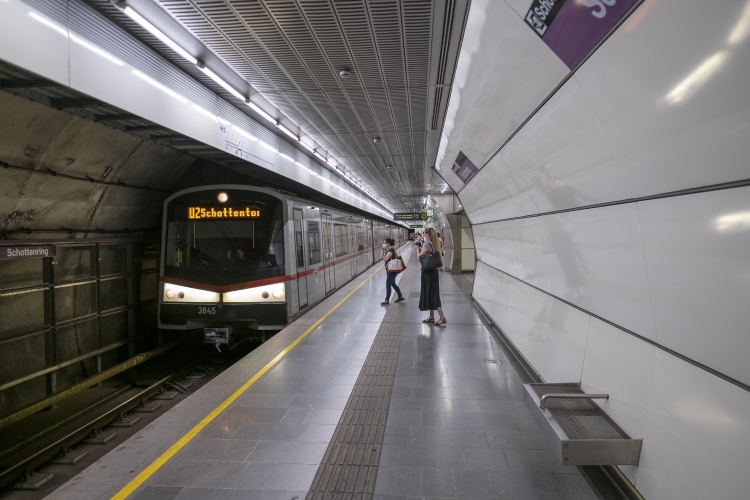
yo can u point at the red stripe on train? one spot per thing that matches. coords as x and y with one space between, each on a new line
249 284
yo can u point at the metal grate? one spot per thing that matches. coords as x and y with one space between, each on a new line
15 274
579 418
76 340
22 312
350 463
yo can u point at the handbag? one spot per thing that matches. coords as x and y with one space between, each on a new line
395 265
431 261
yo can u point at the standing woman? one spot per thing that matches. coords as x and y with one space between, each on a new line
390 278
429 297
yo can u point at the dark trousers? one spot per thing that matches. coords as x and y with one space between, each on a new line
390 281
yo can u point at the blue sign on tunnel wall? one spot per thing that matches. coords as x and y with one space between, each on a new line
572 28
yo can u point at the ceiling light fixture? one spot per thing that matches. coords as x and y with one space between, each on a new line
304 145
287 131
285 156
345 73
213 76
320 156
158 34
262 113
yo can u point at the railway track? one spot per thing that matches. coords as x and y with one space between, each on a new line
94 415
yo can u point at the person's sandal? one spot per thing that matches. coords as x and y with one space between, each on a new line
429 320
441 322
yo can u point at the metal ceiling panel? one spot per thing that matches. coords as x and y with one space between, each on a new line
401 55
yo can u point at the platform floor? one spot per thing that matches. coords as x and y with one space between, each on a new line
456 424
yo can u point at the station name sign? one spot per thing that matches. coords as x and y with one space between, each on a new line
195 213
27 252
410 216
416 226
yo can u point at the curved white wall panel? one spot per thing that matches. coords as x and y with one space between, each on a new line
697 251
504 72
590 258
669 91
551 334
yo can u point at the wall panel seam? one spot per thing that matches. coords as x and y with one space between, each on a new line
560 85
661 347
669 194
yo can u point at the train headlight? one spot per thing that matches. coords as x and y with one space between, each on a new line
176 293
258 294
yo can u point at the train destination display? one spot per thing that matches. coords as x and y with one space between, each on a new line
222 213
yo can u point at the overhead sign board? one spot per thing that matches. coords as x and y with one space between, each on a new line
410 216
416 226
573 28
27 252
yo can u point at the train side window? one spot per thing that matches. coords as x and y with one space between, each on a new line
313 241
340 237
327 254
360 238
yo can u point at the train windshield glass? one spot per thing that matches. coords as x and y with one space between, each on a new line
221 243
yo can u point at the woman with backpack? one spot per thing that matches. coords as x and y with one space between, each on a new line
389 253
429 297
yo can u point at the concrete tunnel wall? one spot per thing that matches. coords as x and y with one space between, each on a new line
41 138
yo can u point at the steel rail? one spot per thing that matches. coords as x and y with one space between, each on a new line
39 457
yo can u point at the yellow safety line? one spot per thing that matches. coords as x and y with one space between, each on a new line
164 458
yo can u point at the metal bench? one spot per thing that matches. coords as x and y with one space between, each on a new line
581 432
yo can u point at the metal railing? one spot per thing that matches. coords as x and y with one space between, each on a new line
69 316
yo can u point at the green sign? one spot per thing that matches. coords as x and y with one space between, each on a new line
416 226
430 212
410 216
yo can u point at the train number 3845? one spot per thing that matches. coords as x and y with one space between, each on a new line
206 310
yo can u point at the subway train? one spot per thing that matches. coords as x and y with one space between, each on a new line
252 258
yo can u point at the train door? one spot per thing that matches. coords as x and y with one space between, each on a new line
299 252
328 267
353 248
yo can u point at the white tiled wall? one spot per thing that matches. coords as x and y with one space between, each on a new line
660 107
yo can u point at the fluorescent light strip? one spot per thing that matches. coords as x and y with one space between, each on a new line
159 86
239 130
306 146
287 132
262 113
319 156
213 76
269 147
158 34
285 156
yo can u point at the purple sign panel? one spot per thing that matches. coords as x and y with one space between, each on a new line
464 168
572 28
27 252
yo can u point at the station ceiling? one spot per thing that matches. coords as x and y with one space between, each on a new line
383 122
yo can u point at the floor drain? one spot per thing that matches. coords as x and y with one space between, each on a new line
492 361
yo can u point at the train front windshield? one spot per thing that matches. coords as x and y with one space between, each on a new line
223 243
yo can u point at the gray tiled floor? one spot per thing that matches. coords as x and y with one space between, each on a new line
457 426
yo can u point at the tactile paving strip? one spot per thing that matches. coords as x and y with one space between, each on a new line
350 464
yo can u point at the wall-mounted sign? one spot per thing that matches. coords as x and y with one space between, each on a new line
464 168
430 212
27 252
410 216
416 226
572 28
222 213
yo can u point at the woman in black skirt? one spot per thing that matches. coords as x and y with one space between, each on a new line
429 297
